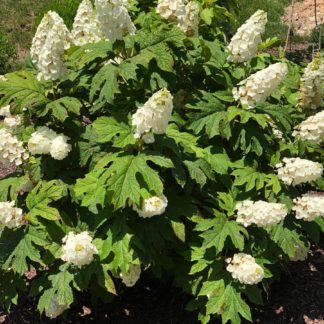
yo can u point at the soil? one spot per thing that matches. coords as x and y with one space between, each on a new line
304 20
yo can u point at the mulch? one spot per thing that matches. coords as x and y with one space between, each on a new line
298 298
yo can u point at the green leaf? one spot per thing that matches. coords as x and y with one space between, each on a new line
199 171
61 108
41 196
179 230
22 90
109 129
11 187
61 283
123 254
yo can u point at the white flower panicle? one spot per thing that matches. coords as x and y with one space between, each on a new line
294 171
245 43
260 213
78 249
10 216
130 278
5 111
309 206
244 268
171 9
312 84
11 149
60 147
154 116
152 206
311 129
114 19
189 23
86 28
258 86
55 309
51 40
300 252
46 141
10 121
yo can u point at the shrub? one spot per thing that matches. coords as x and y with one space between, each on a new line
7 53
153 152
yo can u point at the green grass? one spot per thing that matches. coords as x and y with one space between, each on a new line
275 10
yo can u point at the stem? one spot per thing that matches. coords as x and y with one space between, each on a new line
290 25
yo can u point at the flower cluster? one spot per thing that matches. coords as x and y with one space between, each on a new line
186 15
11 149
260 213
55 309
86 28
244 268
114 19
245 43
5 111
10 121
311 129
130 278
46 141
10 216
153 117
258 86
312 85
294 171
309 206
152 206
51 40
78 249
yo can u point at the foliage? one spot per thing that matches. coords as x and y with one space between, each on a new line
7 53
213 154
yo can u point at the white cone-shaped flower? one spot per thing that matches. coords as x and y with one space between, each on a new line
10 121
86 28
114 19
78 249
5 111
260 85
189 23
51 40
244 268
154 116
309 206
260 213
152 206
172 10
130 278
294 171
60 148
245 43
55 309
311 129
11 149
10 216
312 84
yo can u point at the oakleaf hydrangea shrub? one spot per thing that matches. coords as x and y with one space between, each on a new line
142 142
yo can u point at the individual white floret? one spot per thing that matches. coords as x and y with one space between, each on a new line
311 129
78 249
309 206
245 43
11 149
244 268
260 85
114 19
10 216
189 23
86 28
152 206
49 20
172 10
55 309
301 252
60 148
130 278
260 213
312 84
40 141
154 116
5 111
294 171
